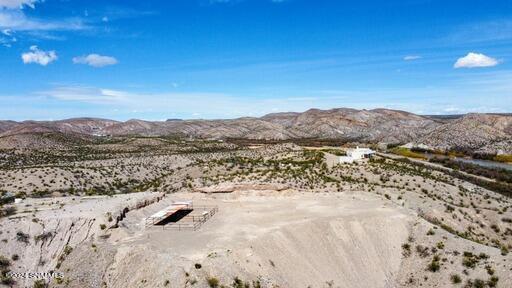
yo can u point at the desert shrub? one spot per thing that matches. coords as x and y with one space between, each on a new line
434 265
4 262
7 211
483 256
22 237
422 251
8 281
455 279
67 250
212 282
238 283
479 283
6 198
470 260
406 249
489 269
493 281
43 236
40 284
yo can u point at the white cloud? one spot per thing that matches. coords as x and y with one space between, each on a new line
473 60
85 94
7 38
38 56
412 57
95 60
451 109
17 4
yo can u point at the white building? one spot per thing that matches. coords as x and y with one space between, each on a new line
356 155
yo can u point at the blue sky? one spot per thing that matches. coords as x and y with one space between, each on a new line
230 58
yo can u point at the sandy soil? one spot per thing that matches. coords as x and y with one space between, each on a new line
290 240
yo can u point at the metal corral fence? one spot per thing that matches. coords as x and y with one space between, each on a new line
194 221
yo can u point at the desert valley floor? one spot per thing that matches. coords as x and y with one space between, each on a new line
288 216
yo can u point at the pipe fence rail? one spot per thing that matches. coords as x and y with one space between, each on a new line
193 221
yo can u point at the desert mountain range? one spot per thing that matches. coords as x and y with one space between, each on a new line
490 133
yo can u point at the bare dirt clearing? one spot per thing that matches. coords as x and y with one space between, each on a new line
309 238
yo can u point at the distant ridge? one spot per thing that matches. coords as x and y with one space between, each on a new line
490 132
457 116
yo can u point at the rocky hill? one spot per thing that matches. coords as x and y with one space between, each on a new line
378 125
6 125
472 131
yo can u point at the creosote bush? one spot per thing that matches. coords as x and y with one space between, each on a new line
212 282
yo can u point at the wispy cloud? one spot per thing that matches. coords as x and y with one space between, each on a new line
15 19
462 95
17 4
412 57
18 21
489 31
7 38
95 60
85 94
473 60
